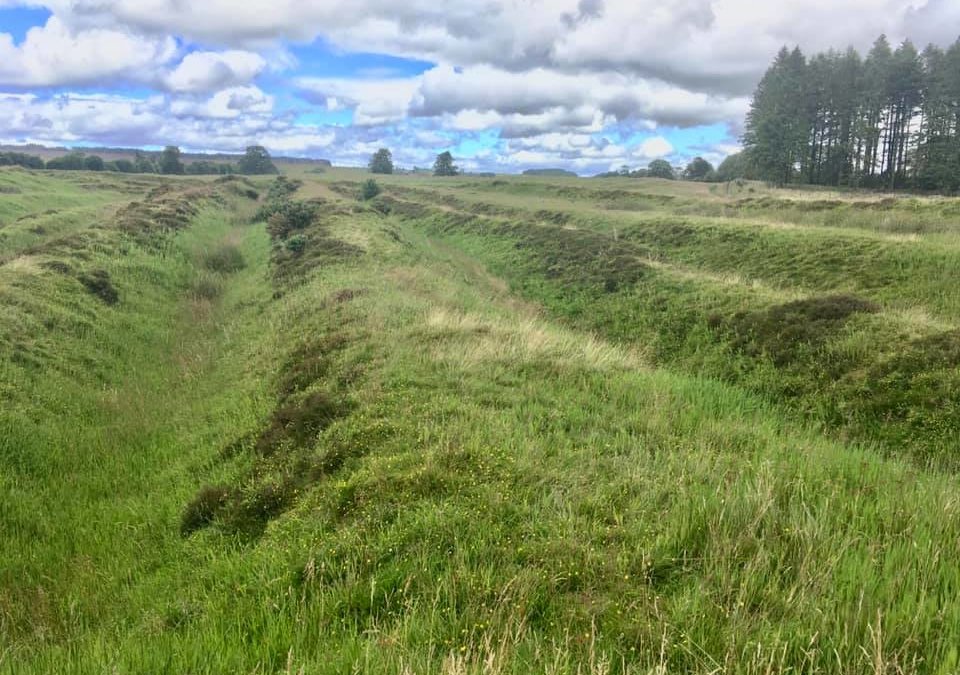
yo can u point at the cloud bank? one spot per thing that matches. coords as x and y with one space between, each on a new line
586 84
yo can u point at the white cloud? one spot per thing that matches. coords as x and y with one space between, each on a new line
521 103
582 97
656 147
54 54
552 77
374 101
75 117
210 71
720 45
226 104
228 121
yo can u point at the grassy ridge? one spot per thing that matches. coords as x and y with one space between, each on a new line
413 469
36 207
852 331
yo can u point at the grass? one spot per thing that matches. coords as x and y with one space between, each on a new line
438 441
741 303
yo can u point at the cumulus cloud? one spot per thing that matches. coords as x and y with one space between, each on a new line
210 71
226 104
534 92
586 153
54 54
228 121
548 79
722 44
521 103
375 101
656 147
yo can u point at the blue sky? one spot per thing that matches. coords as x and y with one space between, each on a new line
18 20
586 85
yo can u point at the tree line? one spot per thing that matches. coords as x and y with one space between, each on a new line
890 120
382 162
698 169
255 161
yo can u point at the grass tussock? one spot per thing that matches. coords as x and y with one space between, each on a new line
207 287
164 209
472 341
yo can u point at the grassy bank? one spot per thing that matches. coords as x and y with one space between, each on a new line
405 443
849 330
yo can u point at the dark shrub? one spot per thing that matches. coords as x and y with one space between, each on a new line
282 188
308 363
299 423
296 243
57 266
783 331
200 512
290 216
225 259
368 190
98 283
207 287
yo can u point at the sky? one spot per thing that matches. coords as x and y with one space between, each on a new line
505 85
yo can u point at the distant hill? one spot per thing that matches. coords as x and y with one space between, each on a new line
550 172
113 154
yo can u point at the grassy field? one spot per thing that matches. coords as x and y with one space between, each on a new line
503 425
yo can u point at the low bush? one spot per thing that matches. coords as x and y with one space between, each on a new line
288 217
368 190
296 243
298 424
204 508
782 331
207 287
225 259
99 284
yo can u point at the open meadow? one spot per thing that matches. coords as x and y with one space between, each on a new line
476 425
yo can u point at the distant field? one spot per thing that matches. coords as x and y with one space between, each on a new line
476 425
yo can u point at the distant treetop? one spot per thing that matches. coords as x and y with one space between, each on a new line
660 168
256 162
699 169
381 161
170 163
444 165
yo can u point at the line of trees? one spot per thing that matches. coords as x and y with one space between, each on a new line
381 162
889 120
698 169
256 161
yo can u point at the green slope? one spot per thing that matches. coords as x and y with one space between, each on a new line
361 452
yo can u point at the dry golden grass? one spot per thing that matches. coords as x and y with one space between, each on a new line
472 341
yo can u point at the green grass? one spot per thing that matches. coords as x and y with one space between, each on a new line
740 302
427 442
